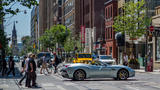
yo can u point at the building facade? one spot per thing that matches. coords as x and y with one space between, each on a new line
156 39
92 17
111 8
14 41
35 27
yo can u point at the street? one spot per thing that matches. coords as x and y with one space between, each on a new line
142 81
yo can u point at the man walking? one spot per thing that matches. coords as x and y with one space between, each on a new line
11 66
4 66
32 70
55 62
44 64
23 70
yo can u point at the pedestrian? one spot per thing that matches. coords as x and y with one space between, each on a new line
23 70
32 71
125 59
44 64
27 83
55 62
4 66
11 66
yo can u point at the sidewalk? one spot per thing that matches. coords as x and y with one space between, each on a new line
142 70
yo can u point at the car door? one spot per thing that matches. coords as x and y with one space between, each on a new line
95 71
106 71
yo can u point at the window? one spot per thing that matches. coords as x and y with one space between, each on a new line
111 32
158 49
106 13
111 11
110 50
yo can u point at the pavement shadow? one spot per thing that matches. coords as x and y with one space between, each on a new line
10 76
104 79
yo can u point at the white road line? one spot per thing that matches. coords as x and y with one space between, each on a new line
133 88
48 85
152 84
60 87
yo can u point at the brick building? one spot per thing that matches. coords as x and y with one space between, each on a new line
111 8
91 16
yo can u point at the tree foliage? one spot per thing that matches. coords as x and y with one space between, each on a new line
56 34
132 20
27 47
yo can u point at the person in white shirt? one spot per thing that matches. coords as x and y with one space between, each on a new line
125 59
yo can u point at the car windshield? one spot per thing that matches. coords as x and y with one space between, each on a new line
105 57
84 56
42 54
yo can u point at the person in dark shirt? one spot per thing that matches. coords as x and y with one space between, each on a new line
55 62
11 66
32 70
4 66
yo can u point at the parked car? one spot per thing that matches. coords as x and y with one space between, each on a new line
106 59
96 69
40 55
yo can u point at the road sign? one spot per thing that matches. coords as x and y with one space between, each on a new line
151 28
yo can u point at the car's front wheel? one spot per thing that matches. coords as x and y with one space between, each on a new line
79 75
122 74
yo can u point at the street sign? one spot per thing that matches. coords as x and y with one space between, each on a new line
151 28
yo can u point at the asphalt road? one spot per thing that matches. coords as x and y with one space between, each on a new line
142 81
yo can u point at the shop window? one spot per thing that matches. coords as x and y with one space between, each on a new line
158 49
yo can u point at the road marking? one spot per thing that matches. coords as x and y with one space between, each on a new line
133 88
4 86
48 85
56 77
60 87
152 84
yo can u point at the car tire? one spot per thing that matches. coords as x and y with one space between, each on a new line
122 74
79 75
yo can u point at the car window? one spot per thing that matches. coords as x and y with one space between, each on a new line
105 57
84 56
98 63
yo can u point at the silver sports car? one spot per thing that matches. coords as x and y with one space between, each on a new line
98 69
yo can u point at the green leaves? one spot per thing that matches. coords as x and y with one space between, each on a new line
132 21
56 34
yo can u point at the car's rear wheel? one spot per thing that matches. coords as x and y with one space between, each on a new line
122 74
79 75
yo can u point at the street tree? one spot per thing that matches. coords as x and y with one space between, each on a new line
27 47
56 34
132 21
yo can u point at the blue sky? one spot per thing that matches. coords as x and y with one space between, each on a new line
22 25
